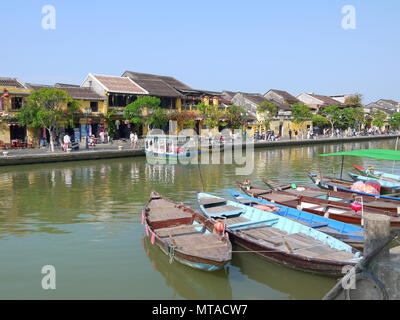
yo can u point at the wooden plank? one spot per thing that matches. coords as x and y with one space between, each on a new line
211 201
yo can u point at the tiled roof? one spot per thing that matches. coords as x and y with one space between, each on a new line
119 84
11 82
158 88
255 98
325 99
286 96
77 93
174 83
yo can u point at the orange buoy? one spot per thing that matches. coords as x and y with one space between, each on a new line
219 227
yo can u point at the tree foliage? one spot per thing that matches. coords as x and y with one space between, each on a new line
48 108
378 118
320 121
394 121
301 113
235 116
134 111
354 100
157 119
211 115
267 110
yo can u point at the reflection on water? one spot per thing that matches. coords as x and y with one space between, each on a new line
295 284
187 282
43 204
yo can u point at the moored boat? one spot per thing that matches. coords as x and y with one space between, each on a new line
322 207
280 239
372 202
372 173
335 184
185 235
345 232
387 187
172 148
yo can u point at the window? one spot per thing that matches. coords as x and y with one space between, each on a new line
94 105
16 103
168 103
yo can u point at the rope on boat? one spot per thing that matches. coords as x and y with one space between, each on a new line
171 254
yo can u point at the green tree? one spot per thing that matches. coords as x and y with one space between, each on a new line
134 111
354 100
211 115
333 114
351 118
320 121
111 127
378 118
235 116
48 108
394 121
157 119
267 110
301 114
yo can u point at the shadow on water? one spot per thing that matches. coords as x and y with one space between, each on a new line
186 282
296 284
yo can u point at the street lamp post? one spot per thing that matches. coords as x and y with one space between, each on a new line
88 111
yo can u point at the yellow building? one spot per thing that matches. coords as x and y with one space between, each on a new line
13 93
89 120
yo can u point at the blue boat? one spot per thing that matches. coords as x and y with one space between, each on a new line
345 232
280 239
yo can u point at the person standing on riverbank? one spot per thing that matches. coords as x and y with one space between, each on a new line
67 142
290 134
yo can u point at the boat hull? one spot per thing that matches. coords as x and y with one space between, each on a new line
204 261
329 186
320 267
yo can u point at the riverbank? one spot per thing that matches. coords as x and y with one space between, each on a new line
123 150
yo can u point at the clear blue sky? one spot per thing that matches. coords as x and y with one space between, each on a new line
253 45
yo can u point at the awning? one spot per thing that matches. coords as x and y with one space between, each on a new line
379 154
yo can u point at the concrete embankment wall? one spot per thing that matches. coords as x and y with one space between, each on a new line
21 159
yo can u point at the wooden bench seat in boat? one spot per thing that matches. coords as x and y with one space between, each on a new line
252 223
273 197
179 230
258 192
227 211
211 201
307 193
169 217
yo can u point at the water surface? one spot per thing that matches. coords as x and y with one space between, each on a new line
84 219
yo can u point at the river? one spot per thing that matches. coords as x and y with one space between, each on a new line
84 219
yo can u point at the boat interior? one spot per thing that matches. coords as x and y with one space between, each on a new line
273 231
177 227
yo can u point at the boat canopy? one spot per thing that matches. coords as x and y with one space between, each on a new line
379 154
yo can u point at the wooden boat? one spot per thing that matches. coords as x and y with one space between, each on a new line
322 207
185 235
337 196
371 173
280 239
387 187
335 184
348 233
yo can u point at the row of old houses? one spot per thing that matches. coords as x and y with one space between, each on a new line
98 95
